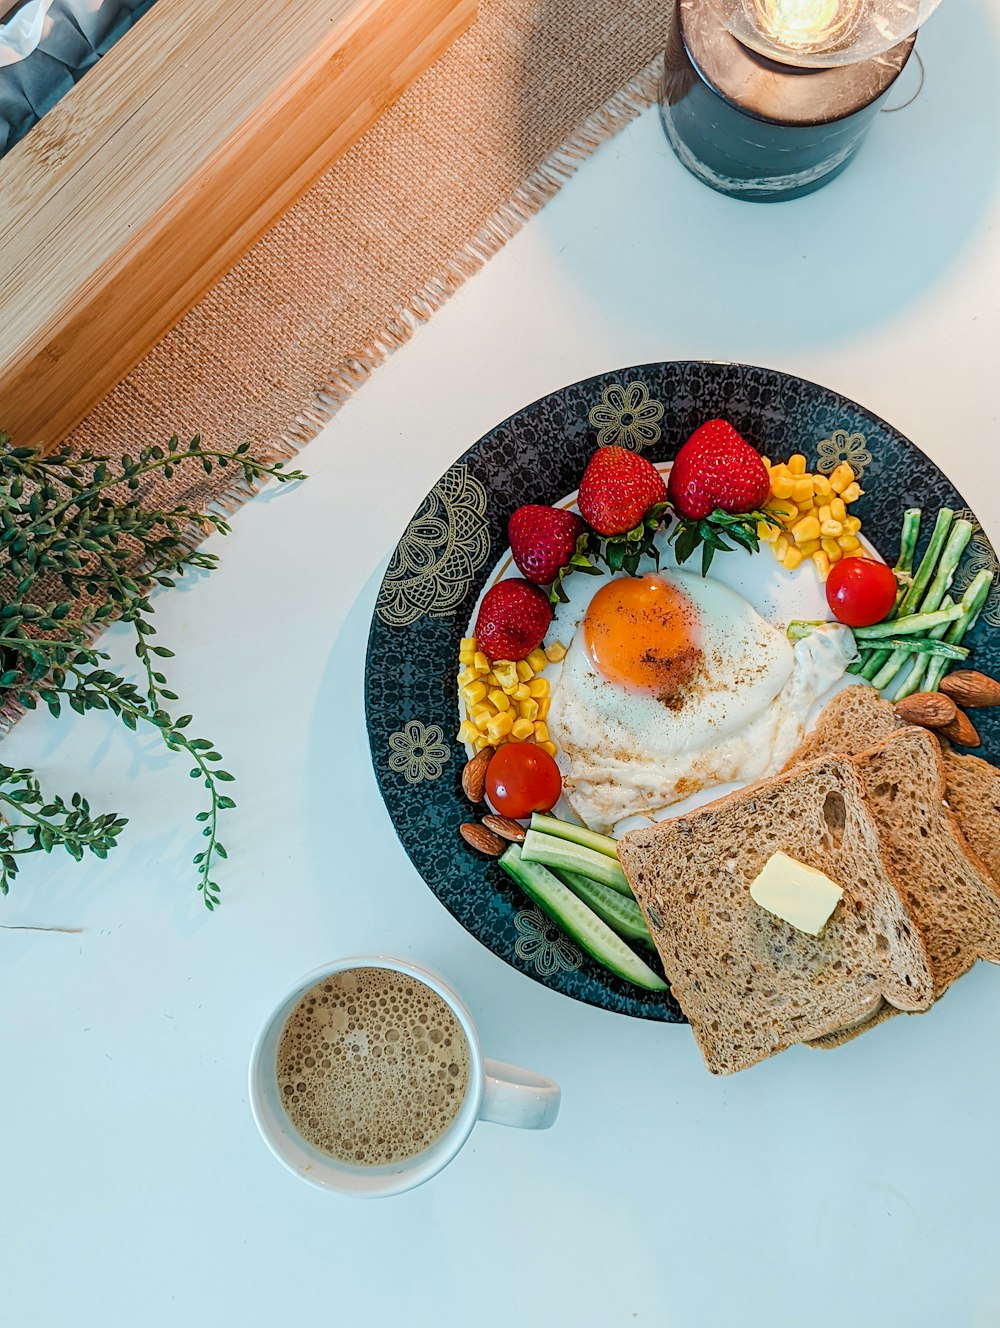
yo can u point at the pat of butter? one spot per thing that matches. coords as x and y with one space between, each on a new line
799 895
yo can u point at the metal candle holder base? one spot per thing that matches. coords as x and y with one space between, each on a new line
761 131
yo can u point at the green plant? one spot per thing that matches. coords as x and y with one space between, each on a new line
79 550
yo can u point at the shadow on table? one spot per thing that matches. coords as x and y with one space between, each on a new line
827 266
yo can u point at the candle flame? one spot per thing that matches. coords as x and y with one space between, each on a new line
805 24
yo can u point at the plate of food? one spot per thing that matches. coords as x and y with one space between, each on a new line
677 680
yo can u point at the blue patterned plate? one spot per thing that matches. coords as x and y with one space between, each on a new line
457 535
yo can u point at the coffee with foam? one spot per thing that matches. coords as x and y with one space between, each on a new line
373 1066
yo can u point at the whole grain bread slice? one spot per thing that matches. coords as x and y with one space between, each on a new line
950 891
852 721
750 984
972 790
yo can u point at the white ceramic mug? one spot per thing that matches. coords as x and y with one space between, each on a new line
496 1092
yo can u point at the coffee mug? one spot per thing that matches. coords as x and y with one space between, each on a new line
496 1092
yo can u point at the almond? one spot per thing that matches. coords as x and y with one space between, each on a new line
930 709
505 828
474 775
961 730
485 841
969 688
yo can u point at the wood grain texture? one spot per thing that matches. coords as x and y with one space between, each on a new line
164 165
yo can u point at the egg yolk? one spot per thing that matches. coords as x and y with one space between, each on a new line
643 634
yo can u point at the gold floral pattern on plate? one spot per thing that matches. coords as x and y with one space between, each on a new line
979 557
418 752
443 548
627 417
543 945
844 446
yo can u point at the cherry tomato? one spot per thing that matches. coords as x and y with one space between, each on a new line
521 779
860 591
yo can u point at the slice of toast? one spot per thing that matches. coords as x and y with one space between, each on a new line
972 790
751 984
950 891
852 721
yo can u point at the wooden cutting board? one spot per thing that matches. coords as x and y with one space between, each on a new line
164 164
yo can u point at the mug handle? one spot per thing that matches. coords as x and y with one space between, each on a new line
512 1096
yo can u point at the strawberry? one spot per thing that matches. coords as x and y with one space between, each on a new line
717 486
513 619
716 468
623 497
618 489
543 540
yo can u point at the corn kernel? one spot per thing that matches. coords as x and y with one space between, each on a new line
481 662
541 731
505 673
766 462
773 546
852 493
823 513
466 657
808 548
467 643
524 670
766 532
782 507
797 464
499 726
555 652
490 679
841 477
527 710
805 509
468 733
832 549
837 509
834 529
806 529
481 720
538 659
520 692
821 486
500 699
521 729
482 742
803 490
792 559
852 524
543 707
549 747
780 547
822 563
849 543
538 687
466 677
474 693
782 485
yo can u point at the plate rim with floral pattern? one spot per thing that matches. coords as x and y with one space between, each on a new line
439 566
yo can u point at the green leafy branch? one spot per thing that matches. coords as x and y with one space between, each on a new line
79 550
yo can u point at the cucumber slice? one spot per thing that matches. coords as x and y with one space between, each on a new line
622 915
559 903
575 834
553 852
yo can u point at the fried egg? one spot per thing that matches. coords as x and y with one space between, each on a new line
673 683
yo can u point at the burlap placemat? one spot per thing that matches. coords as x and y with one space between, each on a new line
439 184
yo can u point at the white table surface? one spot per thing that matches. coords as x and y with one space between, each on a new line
857 1187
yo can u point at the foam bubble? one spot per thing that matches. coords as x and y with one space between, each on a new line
361 1064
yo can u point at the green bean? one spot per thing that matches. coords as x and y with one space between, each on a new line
913 625
943 575
972 603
